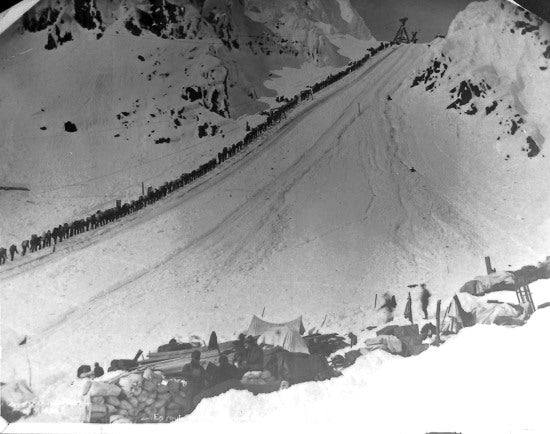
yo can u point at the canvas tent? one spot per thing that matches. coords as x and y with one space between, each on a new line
501 281
466 310
285 338
258 326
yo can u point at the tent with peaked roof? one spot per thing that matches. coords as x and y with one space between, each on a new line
258 326
284 338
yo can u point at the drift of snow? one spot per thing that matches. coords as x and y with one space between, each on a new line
487 379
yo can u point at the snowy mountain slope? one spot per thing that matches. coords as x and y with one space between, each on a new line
486 81
310 24
320 218
99 96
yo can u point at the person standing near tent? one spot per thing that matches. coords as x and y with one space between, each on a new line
425 300
390 303
254 360
194 374
240 351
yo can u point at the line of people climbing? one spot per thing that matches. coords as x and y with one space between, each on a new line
102 217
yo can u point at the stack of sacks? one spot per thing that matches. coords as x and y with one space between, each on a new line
258 378
388 343
137 397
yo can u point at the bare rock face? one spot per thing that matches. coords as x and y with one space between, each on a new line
307 26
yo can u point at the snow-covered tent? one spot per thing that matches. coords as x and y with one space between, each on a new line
283 337
466 310
258 326
501 281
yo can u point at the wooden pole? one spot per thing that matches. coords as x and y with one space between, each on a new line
263 311
323 323
375 300
438 323
142 189
488 264
28 362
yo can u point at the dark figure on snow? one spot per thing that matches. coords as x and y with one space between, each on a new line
98 370
24 247
33 242
54 235
213 342
194 374
428 331
425 300
226 371
3 255
84 371
240 351
390 303
389 306
254 360
13 251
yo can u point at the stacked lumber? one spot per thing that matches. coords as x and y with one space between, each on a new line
137 397
205 351
171 363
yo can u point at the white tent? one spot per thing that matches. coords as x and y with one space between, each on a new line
285 338
258 326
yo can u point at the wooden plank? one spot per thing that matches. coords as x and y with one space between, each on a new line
172 354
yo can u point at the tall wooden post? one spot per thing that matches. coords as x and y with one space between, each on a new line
408 309
142 189
438 323
488 265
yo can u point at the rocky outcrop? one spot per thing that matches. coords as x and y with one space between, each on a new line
491 65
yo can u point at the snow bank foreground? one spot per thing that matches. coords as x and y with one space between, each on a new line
486 379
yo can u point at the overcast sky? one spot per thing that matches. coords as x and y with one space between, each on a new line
427 17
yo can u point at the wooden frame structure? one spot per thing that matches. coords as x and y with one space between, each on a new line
402 36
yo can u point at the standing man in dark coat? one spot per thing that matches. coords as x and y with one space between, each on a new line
254 360
194 374
24 247
98 370
425 300
240 351
3 255
13 251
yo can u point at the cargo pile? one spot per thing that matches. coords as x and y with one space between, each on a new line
139 397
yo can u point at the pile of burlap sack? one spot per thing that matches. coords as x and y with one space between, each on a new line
258 378
134 398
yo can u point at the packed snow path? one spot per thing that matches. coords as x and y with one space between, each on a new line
314 220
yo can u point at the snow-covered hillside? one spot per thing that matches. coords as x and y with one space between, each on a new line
99 96
483 125
372 186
